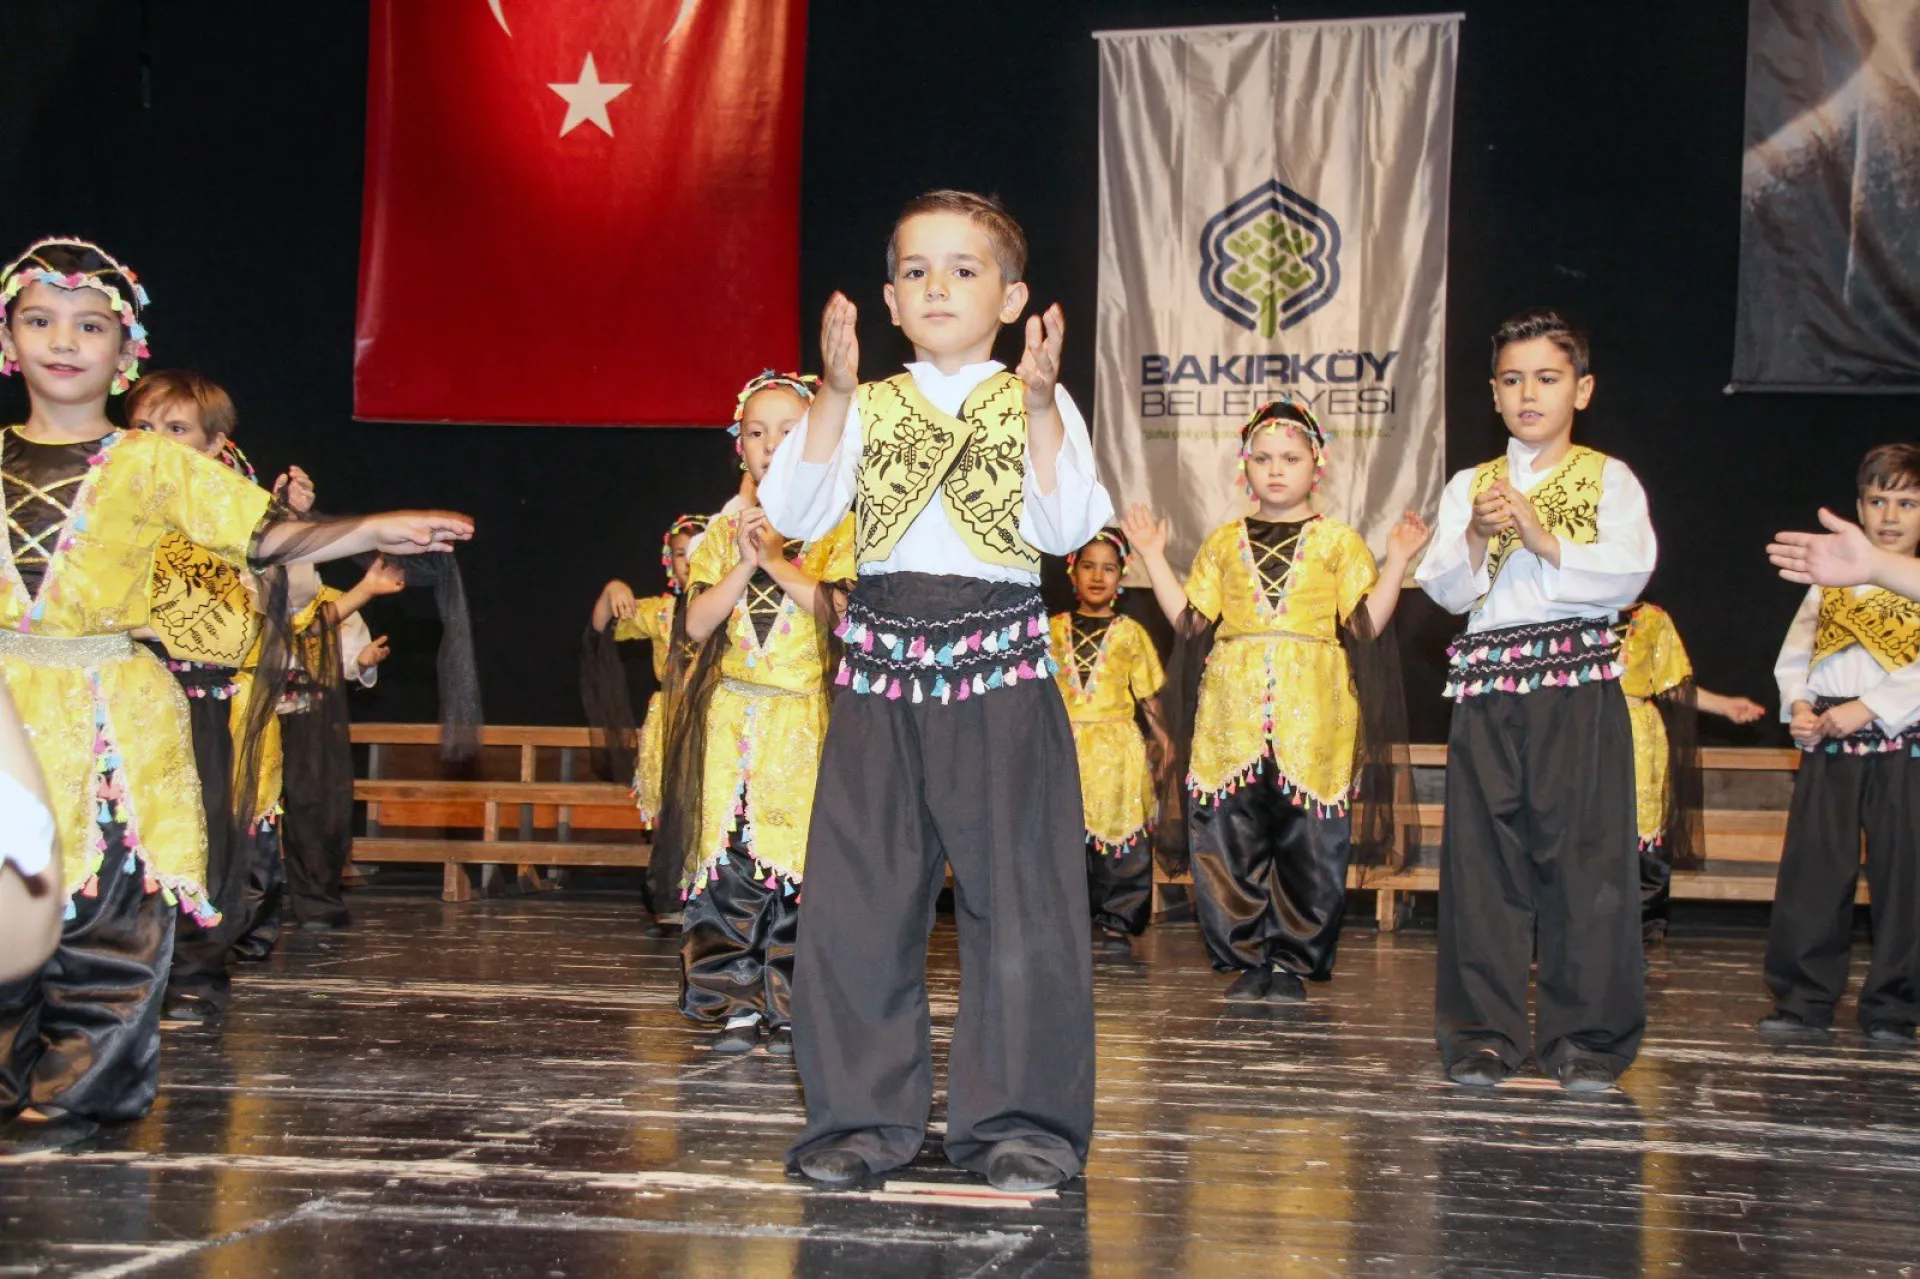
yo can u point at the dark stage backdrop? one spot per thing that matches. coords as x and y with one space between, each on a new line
217 145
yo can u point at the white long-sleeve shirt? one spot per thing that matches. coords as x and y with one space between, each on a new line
1850 674
806 501
1596 580
26 828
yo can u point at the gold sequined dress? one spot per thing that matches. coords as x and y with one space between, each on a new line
652 621
767 715
1277 683
1107 666
1655 662
107 721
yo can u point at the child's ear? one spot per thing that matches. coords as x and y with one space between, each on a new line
1014 304
1583 392
218 444
893 308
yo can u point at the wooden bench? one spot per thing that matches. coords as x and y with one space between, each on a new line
532 805
527 812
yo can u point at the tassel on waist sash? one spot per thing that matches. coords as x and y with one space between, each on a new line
925 636
1519 659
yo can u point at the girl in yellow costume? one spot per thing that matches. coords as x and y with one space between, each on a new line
1277 729
744 745
87 505
1107 667
650 620
1662 704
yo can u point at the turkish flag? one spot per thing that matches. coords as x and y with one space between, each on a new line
582 213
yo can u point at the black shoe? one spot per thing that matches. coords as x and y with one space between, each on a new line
251 952
1287 988
1481 1068
1583 1074
1018 1173
1890 1032
190 1010
1782 1022
23 1136
833 1167
1251 987
1112 942
737 1039
780 1043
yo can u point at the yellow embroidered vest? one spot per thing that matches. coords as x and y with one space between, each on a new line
977 461
199 605
1568 502
1885 624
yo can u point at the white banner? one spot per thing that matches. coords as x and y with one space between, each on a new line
1273 218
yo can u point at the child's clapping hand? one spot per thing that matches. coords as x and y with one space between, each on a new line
1526 522
1039 369
1491 513
746 537
840 346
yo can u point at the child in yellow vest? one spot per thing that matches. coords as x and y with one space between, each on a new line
1849 677
87 506
1542 548
1107 669
949 742
1663 702
744 746
1277 732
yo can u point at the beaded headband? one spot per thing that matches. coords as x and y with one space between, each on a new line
804 385
684 524
1112 537
31 268
1291 412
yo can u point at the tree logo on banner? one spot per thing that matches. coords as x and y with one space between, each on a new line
1270 259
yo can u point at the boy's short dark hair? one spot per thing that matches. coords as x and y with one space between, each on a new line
1544 322
1889 467
184 386
1003 233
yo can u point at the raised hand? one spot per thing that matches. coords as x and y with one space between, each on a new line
295 488
1840 557
1039 368
1405 538
383 577
618 597
1148 534
840 345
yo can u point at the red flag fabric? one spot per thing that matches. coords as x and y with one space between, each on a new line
582 213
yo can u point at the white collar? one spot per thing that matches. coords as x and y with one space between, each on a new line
971 374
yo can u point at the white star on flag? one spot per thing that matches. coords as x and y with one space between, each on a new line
587 100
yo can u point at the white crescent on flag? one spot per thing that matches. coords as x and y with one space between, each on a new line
679 19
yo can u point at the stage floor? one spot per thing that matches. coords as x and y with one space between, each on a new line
505 1088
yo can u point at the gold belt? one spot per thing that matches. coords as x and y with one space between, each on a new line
743 688
1267 635
76 651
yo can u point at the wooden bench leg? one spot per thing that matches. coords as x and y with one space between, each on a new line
455 886
1386 912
